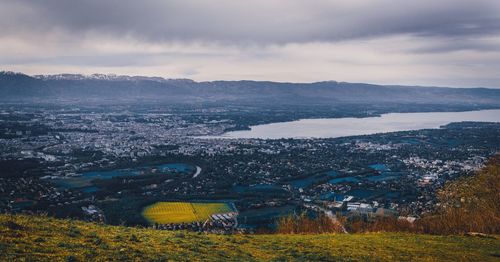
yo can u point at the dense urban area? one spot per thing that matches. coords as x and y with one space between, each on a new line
106 163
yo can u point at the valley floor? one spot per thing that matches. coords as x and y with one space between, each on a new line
34 238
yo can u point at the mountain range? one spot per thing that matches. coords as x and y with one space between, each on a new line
18 87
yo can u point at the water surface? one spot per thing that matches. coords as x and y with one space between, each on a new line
84 180
349 126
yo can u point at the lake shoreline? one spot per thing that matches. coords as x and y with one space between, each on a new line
355 126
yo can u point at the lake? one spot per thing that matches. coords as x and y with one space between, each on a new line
349 126
84 180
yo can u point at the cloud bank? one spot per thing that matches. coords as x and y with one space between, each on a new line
447 42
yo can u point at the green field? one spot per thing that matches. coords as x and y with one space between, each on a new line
34 238
182 212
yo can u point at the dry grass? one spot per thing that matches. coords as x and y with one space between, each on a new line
304 225
32 238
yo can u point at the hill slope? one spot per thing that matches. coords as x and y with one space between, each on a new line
103 88
44 239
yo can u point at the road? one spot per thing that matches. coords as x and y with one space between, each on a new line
198 171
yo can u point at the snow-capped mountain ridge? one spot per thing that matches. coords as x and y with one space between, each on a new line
106 77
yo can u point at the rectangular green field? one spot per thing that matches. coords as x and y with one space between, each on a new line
182 212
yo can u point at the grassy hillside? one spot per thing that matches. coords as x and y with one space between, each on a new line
43 239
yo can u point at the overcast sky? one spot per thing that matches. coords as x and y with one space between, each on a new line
424 42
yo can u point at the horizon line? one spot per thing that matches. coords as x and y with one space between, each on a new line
38 76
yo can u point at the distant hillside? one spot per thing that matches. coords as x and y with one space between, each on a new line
105 88
33 238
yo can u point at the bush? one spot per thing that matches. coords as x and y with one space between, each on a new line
13 225
134 238
304 225
380 224
74 232
71 259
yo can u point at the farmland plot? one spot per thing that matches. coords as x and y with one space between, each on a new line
183 212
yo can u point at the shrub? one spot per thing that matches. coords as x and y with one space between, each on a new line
73 232
134 238
303 224
13 225
71 259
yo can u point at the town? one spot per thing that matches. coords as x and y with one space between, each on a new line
107 163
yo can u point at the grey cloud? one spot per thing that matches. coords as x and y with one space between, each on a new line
426 42
260 22
113 60
459 44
